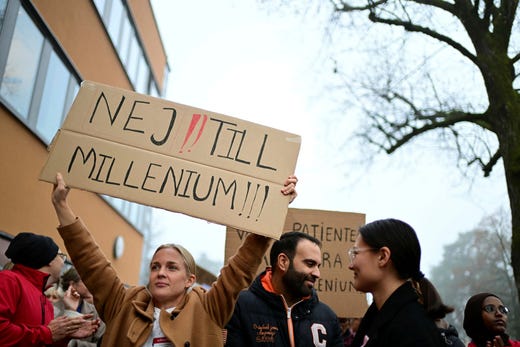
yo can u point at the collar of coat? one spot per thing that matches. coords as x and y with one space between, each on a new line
144 306
375 319
34 276
274 299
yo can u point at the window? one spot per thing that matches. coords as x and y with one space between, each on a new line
114 22
72 91
141 83
121 30
38 85
153 88
165 78
131 67
101 7
3 6
139 215
54 94
22 63
124 43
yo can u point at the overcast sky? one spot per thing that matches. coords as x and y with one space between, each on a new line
229 57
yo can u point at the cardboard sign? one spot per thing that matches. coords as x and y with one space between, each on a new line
337 232
180 158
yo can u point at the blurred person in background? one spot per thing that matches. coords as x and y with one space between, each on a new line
485 321
54 294
350 334
26 315
437 310
77 301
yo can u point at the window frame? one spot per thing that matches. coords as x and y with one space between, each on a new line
136 214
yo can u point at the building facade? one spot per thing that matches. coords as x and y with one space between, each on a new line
47 47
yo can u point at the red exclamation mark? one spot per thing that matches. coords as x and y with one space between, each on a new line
194 121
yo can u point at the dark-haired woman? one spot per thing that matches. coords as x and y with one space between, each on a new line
437 310
385 260
485 321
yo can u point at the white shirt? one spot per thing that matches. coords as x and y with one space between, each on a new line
157 338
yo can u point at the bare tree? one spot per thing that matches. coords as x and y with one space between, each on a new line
407 89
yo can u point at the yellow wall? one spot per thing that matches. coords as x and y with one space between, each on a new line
79 29
25 201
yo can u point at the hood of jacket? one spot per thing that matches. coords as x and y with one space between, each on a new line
275 300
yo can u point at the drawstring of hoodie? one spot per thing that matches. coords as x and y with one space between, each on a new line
290 328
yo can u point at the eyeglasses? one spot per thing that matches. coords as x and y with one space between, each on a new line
492 309
63 256
354 251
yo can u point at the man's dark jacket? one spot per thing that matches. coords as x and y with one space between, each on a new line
260 319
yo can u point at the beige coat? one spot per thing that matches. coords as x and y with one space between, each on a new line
128 312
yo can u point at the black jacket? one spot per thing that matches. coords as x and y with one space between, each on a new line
451 337
260 319
401 322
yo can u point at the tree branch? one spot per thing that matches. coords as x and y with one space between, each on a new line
515 58
437 120
409 26
491 163
508 9
487 167
343 6
443 5
450 119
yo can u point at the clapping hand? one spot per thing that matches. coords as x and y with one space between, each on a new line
73 327
497 342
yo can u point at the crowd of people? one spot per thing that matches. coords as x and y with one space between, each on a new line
89 305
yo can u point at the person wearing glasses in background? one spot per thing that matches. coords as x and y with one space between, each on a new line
386 260
485 321
26 315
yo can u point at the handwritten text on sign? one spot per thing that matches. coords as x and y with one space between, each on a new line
184 132
337 232
123 144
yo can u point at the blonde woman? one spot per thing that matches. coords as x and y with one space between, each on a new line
167 312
